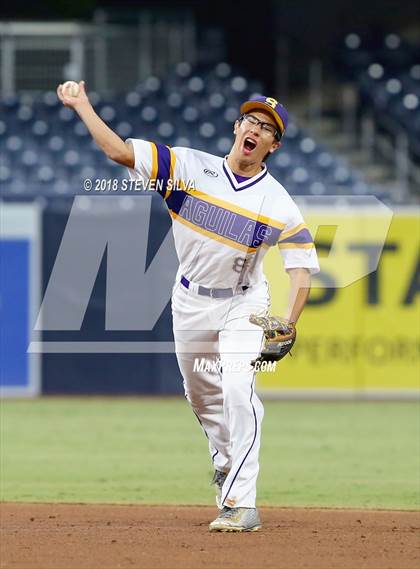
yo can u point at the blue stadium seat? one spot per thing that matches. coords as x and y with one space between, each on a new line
3 128
224 144
40 128
5 173
183 70
14 144
190 115
124 129
29 158
165 131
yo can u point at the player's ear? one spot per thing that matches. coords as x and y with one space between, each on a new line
276 144
236 126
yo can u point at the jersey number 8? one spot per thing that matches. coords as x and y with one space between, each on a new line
240 264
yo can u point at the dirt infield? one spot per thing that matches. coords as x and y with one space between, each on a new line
77 536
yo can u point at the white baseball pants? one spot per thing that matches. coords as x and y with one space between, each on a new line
215 343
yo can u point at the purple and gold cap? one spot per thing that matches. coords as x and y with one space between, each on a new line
276 110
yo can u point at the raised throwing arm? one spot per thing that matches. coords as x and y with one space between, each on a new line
112 145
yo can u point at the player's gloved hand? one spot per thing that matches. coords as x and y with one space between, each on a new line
279 337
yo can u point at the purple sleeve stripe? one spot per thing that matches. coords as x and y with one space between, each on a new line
175 200
302 236
164 166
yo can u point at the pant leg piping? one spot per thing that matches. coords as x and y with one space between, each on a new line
250 448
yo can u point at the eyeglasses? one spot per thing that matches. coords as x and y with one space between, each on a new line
266 127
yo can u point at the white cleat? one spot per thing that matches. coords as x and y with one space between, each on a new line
237 519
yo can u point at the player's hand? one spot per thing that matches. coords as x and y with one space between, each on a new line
73 102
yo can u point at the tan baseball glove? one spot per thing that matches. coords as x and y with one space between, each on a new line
279 337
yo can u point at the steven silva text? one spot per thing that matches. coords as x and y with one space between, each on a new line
219 365
125 185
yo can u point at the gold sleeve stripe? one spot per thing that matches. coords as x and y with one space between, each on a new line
293 231
153 175
171 174
296 245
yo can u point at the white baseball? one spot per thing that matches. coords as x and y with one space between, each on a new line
71 88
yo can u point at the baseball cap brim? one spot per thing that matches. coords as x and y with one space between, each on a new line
251 105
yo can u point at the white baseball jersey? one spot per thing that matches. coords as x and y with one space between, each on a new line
222 227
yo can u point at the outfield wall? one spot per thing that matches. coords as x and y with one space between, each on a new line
358 336
20 281
361 339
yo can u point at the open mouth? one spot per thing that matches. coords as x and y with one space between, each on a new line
249 144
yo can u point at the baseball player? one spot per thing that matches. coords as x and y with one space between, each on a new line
223 225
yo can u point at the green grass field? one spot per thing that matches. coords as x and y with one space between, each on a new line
347 454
